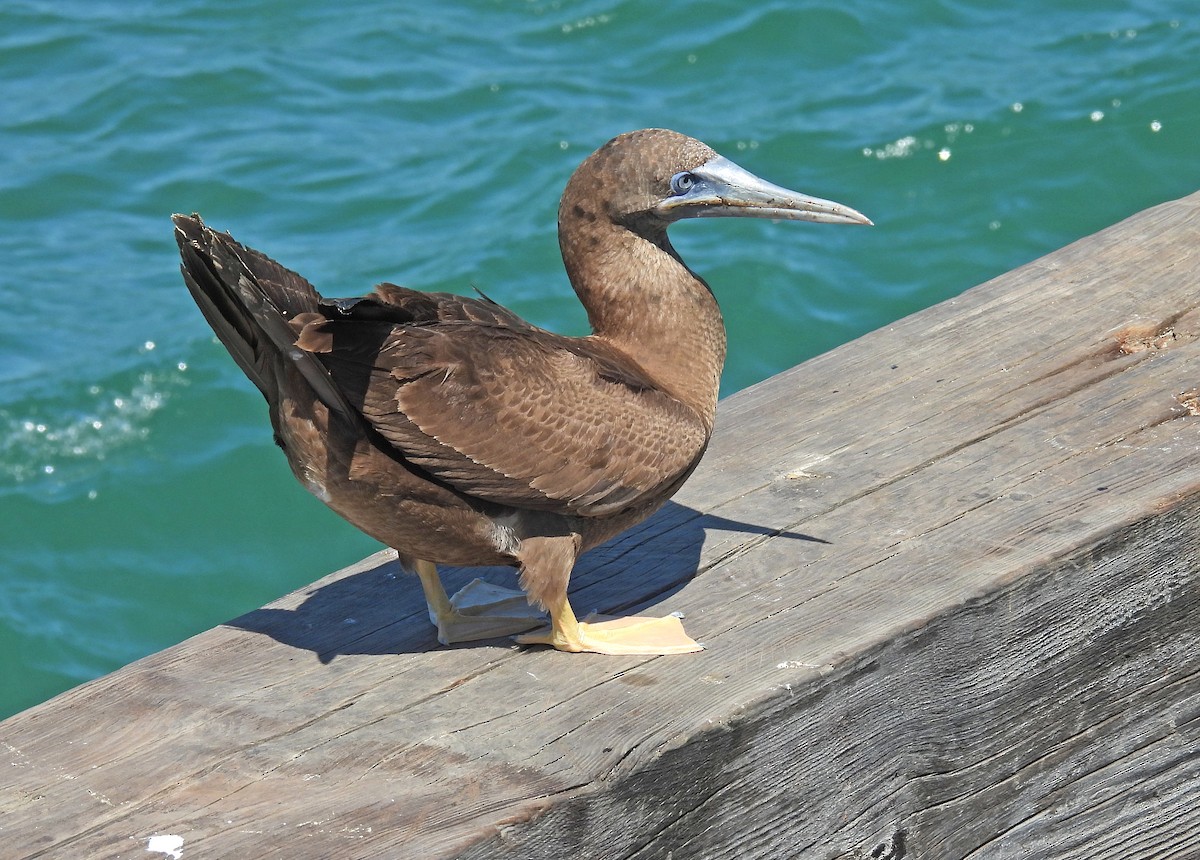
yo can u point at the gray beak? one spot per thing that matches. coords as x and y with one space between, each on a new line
719 188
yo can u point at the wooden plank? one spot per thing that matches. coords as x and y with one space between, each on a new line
948 579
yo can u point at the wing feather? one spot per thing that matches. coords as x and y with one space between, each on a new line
510 413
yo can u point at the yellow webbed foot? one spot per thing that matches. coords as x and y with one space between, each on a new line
480 610
605 635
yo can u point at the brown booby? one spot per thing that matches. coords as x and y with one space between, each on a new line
452 430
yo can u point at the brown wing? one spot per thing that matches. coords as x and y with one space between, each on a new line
512 414
403 306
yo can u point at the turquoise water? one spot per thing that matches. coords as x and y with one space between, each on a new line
141 498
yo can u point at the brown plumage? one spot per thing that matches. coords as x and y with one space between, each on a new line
449 428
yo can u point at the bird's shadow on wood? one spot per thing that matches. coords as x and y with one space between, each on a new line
381 610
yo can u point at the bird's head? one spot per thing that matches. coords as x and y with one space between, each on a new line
647 179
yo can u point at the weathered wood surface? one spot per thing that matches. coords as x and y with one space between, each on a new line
948 580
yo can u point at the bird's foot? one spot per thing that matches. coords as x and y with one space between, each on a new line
480 610
605 635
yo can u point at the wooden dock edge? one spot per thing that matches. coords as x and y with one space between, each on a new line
948 576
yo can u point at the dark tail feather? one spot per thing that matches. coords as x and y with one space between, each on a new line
248 299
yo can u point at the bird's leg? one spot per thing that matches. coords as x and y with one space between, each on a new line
435 593
479 610
545 569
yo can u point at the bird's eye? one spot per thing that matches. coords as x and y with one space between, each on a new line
682 183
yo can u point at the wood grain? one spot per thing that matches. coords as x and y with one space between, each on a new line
948 576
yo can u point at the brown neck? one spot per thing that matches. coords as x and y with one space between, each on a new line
643 300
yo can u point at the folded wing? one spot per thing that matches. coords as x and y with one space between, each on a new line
501 410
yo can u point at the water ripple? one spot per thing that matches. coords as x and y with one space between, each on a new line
50 450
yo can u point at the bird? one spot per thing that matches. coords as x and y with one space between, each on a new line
452 430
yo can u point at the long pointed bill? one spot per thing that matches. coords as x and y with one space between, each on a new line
719 188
